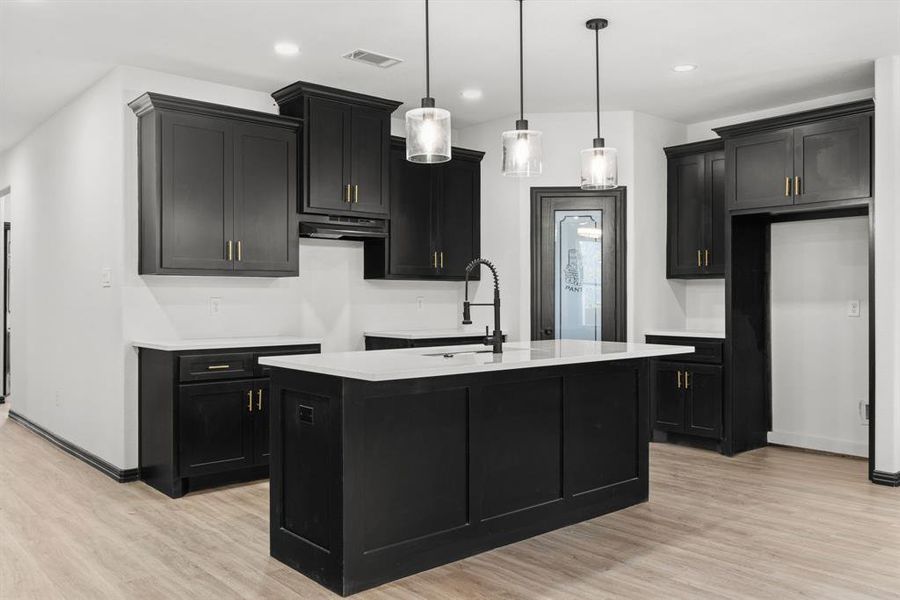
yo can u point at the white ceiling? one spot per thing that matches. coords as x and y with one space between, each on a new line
751 54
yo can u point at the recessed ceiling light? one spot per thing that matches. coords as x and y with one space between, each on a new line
287 48
683 68
471 94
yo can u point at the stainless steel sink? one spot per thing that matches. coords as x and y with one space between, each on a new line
486 351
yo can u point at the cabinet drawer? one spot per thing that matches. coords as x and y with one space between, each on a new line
706 350
206 367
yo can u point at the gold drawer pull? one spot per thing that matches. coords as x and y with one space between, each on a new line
797 185
228 250
699 258
442 260
679 379
686 375
356 194
259 399
217 367
787 186
347 193
706 257
240 254
250 400
434 260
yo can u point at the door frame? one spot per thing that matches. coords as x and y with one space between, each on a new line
619 197
6 334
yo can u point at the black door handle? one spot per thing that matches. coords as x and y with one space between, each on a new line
548 332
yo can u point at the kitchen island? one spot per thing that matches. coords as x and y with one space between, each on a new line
390 462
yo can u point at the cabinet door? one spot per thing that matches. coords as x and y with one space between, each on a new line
327 173
832 160
716 212
668 396
703 404
412 251
261 423
265 192
458 207
761 169
687 218
369 150
215 431
197 192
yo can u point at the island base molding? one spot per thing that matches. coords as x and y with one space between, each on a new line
374 481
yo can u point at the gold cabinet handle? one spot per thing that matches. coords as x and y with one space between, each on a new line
259 399
699 258
356 193
706 257
787 186
239 253
347 193
797 185
679 379
442 259
434 260
686 381
250 400
228 250
217 367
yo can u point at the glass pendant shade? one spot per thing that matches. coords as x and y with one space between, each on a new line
522 153
428 135
599 168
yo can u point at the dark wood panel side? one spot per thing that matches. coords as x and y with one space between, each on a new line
157 442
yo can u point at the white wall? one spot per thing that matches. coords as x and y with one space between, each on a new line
505 203
820 355
887 264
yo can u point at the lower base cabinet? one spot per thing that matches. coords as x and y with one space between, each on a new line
204 417
687 391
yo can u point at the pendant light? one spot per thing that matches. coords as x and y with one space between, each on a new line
427 128
521 146
599 164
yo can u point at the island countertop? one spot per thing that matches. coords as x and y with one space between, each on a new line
412 363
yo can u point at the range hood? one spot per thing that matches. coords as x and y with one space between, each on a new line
341 228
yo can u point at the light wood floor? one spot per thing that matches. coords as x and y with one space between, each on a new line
774 523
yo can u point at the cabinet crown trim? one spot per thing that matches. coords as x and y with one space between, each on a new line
799 118
712 145
149 101
302 89
400 142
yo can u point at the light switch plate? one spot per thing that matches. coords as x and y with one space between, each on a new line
106 278
215 306
420 302
853 308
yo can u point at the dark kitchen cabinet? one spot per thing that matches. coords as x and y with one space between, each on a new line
345 149
435 228
687 391
218 186
204 416
813 157
696 211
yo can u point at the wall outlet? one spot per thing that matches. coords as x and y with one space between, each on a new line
56 401
863 412
420 303
215 306
853 308
106 278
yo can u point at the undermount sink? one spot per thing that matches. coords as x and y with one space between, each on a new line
486 351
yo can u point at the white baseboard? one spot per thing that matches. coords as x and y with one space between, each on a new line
811 442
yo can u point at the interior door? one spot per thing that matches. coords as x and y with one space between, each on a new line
327 133
832 160
197 192
688 194
458 216
215 427
703 400
369 148
578 264
412 251
761 169
667 381
265 191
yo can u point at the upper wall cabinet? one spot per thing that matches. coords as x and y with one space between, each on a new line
806 158
345 149
696 211
435 228
218 187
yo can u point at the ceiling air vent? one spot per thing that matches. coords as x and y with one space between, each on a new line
372 58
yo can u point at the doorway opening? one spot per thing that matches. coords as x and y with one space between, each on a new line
578 264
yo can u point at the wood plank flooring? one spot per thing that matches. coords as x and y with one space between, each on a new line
774 523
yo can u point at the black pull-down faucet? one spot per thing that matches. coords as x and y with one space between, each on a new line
495 340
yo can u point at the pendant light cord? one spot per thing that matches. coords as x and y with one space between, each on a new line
521 68
427 56
597 63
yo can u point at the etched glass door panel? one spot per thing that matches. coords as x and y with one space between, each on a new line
578 250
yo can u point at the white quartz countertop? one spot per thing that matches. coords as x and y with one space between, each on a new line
421 334
412 363
720 335
221 343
